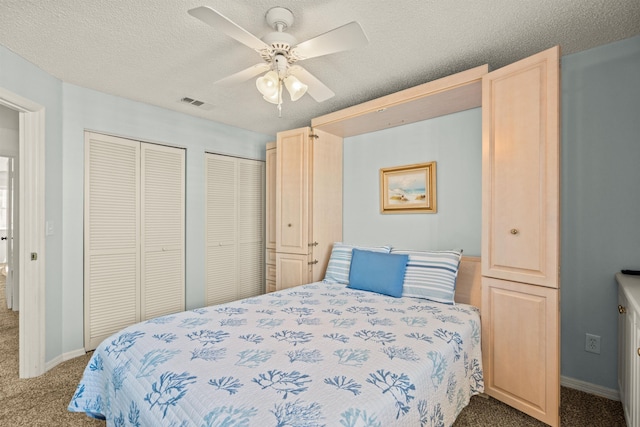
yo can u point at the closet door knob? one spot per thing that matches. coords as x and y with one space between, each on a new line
514 231
621 309
289 225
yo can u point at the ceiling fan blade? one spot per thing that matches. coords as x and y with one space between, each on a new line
244 75
316 88
349 36
224 24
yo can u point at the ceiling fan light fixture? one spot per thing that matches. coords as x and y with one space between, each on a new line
268 85
295 87
275 99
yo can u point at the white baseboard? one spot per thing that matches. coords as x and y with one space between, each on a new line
598 390
63 358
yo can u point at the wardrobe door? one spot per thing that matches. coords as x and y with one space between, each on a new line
221 229
270 184
111 236
326 205
234 228
270 217
520 235
293 191
520 168
163 228
251 206
521 346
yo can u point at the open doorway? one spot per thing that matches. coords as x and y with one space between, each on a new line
9 152
8 238
28 227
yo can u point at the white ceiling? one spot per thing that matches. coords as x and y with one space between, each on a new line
153 51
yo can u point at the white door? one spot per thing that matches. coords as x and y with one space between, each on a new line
162 230
221 228
112 236
234 228
134 233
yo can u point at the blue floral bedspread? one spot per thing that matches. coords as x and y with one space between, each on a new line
315 355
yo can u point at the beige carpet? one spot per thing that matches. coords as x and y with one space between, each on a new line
43 401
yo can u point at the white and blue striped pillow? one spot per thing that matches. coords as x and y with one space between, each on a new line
340 261
431 275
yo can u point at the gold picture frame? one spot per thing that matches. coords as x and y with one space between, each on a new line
408 189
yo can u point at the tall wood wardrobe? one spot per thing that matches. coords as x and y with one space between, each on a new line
304 191
133 233
520 235
520 213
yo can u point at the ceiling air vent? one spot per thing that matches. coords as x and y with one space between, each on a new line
195 103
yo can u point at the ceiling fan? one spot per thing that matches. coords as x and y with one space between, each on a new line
280 51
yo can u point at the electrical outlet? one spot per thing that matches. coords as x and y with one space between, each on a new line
592 344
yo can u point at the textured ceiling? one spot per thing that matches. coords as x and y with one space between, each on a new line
153 51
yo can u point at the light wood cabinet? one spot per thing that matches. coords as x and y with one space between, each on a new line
520 235
270 218
308 204
520 213
521 346
629 346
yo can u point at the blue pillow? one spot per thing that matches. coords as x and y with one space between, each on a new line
340 261
377 272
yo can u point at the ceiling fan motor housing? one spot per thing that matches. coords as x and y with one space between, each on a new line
280 42
279 18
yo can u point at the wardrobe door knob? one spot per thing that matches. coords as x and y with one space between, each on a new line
621 309
289 225
514 231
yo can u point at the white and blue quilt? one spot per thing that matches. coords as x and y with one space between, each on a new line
315 355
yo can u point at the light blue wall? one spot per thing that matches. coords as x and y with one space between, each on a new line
600 194
455 143
86 109
69 110
600 200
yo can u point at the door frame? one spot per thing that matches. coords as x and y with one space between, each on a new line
31 219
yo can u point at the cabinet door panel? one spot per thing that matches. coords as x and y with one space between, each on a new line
270 180
520 183
630 365
292 199
327 199
521 346
634 378
623 347
291 270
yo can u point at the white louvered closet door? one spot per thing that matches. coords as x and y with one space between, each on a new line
251 204
111 233
234 228
134 234
221 229
163 225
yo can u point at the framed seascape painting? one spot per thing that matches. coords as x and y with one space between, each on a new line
407 189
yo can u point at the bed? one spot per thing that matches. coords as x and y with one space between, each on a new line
321 354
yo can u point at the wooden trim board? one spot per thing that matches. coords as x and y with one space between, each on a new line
458 92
